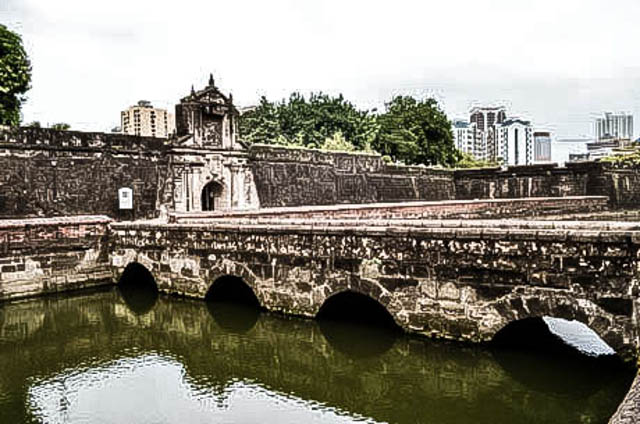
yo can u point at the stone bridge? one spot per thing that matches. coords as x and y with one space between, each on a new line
462 280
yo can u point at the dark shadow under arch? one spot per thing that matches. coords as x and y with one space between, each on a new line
233 304
533 334
138 288
528 351
357 325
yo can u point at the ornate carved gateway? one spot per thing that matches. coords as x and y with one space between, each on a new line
209 165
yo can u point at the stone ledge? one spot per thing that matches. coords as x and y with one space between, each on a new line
61 220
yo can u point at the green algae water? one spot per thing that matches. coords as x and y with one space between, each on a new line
104 358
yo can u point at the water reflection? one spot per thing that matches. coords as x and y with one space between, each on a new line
114 392
234 318
574 376
139 299
282 362
357 340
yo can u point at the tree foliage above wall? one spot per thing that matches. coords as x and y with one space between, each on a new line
409 131
15 76
416 132
308 122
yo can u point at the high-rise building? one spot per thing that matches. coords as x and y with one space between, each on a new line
487 119
541 146
145 120
468 138
614 126
515 142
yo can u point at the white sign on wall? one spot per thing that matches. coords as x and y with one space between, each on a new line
125 198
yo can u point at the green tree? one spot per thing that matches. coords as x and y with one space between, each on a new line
61 126
15 76
337 143
416 132
467 160
308 122
34 124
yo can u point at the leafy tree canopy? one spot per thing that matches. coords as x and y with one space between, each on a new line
308 122
467 160
15 76
416 132
61 126
410 131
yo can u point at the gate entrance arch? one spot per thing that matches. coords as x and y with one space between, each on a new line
210 195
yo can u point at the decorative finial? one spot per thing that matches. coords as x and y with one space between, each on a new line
193 91
211 82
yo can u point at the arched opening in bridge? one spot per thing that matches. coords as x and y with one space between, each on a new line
233 304
552 335
556 355
357 325
138 288
210 195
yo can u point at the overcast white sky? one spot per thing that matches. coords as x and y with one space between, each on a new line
559 63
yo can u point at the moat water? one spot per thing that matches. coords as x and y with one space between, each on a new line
103 358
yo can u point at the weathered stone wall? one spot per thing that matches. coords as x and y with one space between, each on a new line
623 185
48 173
461 283
39 256
522 181
288 177
296 177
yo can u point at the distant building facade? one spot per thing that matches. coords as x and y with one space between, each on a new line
145 120
468 138
541 146
487 120
515 142
614 127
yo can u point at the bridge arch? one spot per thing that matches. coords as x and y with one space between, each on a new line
136 274
232 289
527 314
356 307
138 288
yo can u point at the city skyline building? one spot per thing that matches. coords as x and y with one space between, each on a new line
515 142
468 138
541 146
614 126
145 120
487 119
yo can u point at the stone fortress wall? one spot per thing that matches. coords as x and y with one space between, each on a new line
287 177
47 173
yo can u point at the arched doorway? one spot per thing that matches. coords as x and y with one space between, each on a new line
210 192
